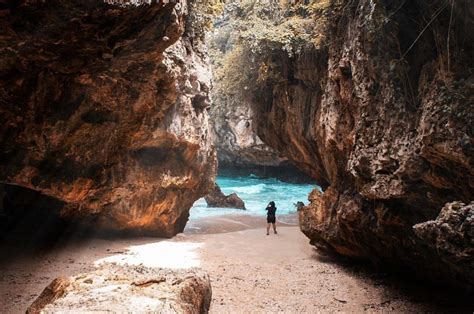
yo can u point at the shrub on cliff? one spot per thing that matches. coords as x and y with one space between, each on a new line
250 34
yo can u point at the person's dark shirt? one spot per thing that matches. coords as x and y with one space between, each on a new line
271 211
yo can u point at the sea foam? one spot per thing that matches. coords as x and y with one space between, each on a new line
256 193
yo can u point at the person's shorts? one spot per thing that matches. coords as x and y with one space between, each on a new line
271 219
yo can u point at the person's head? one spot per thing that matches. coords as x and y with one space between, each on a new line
272 204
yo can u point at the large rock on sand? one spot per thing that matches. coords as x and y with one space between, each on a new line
218 199
103 107
127 289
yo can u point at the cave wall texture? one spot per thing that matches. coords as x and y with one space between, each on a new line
104 108
382 115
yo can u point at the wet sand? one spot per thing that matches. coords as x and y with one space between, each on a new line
250 271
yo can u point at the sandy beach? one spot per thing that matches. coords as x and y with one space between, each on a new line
250 271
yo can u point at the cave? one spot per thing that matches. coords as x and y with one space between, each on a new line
236 156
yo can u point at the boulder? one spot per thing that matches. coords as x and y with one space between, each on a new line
103 107
218 199
127 289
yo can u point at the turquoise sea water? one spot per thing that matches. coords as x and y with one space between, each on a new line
256 193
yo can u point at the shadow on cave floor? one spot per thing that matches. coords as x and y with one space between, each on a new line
403 284
30 226
34 233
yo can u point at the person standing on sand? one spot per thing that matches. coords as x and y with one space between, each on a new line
271 219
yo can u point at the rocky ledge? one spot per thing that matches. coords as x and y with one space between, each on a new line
127 289
103 108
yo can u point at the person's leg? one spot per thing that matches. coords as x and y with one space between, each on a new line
268 228
274 228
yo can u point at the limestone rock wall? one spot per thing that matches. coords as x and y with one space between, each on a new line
381 113
236 141
104 107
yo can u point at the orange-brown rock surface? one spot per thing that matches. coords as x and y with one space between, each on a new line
103 107
381 113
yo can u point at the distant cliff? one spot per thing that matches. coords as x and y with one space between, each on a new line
104 108
231 112
375 100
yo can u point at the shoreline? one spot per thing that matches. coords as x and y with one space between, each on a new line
235 222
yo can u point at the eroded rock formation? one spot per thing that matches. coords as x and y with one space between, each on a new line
119 289
104 108
378 107
451 235
236 142
218 199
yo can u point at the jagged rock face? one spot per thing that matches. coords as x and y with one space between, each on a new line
231 113
451 235
119 289
103 107
384 123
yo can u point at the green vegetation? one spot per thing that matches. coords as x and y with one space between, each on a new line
250 34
